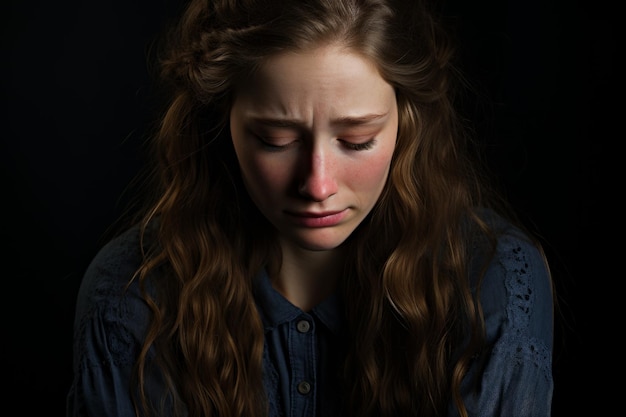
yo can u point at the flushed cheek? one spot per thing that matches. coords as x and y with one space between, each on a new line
369 176
266 178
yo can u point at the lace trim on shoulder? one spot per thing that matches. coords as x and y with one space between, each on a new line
518 284
524 351
111 311
520 306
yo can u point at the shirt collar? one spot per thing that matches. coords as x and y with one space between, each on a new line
330 312
276 309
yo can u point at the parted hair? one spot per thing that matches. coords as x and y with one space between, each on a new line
415 325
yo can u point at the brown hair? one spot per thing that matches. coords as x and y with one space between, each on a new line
414 323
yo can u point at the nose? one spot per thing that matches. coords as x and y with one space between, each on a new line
318 180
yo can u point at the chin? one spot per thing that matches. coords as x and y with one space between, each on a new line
326 243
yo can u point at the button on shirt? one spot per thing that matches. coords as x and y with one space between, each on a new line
303 352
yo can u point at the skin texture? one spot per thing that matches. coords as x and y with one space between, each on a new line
314 132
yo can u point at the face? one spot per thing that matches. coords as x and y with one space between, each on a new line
314 133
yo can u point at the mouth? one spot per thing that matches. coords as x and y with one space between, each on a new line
317 219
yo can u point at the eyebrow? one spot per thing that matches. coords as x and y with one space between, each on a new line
346 121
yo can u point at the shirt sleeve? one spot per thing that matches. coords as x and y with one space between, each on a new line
109 328
515 376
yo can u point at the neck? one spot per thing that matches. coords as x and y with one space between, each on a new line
308 277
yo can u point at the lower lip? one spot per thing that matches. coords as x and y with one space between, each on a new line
324 221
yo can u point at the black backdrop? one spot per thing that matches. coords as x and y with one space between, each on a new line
77 100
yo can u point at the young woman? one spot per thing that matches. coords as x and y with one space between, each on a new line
320 242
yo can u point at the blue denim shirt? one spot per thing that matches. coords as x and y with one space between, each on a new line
303 350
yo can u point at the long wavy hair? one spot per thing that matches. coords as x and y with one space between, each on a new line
415 324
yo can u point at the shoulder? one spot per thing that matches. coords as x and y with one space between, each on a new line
110 324
515 294
111 316
110 270
516 290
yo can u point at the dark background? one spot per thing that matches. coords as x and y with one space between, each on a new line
77 100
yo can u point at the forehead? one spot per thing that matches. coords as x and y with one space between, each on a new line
330 76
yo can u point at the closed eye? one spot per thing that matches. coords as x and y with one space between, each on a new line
275 144
360 146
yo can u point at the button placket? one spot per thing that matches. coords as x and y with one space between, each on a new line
303 364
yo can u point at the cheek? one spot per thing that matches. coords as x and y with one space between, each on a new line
264 177
370 174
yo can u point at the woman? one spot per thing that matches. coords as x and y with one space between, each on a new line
320 242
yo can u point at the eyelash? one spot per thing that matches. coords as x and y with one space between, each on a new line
360 146
351 146
268 146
